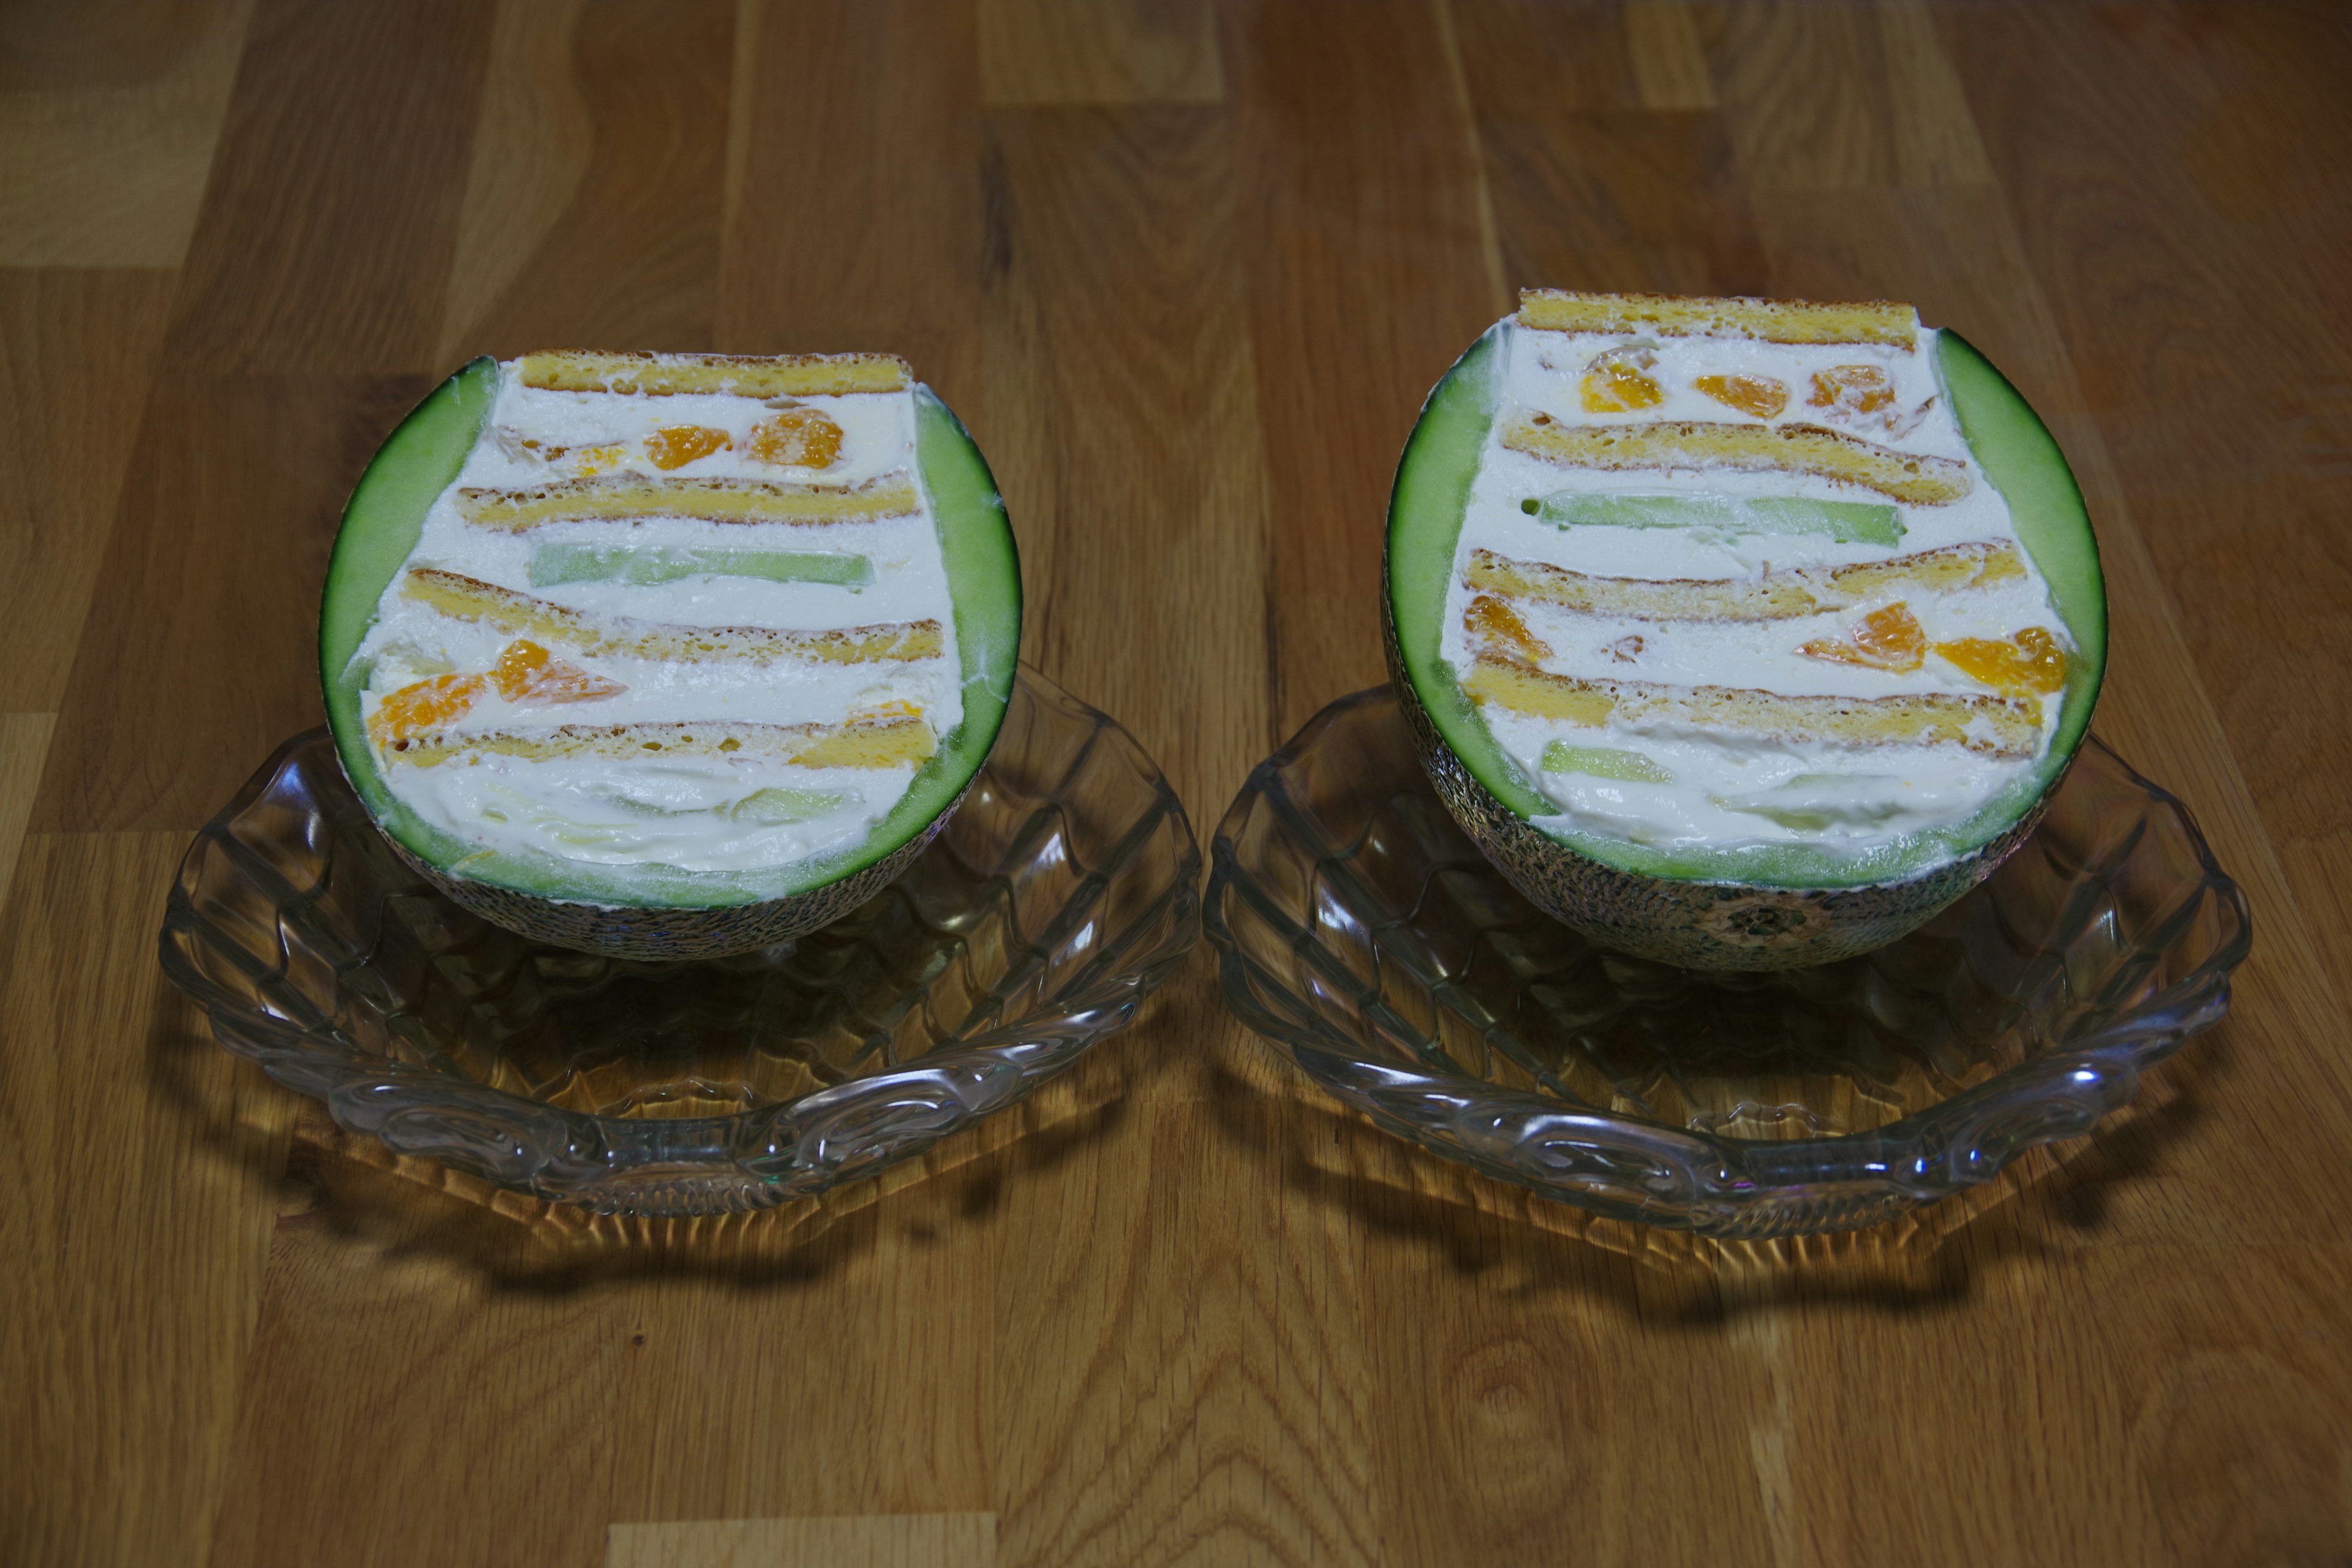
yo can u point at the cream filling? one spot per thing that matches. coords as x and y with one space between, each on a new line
696 814
1729 790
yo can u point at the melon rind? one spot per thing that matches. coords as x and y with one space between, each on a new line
664 913
1724 911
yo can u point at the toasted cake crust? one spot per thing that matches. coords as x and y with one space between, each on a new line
631 496
653 374
1993 726
878 743
1911 477
1769 320
1780 595
619 637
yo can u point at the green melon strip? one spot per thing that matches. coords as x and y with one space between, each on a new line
644 565
1847 522
1604 762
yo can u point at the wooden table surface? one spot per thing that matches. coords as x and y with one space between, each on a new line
1187 268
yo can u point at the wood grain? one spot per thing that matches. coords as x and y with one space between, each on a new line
1187 268
109 112
199 652
595 193
77 348
1099 51
324 241
24 747
856 218
128 1340
873 1540
1362 188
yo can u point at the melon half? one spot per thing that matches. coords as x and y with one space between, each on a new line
1720 905
602 902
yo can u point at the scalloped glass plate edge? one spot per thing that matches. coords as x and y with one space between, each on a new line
1653 1173
710 1165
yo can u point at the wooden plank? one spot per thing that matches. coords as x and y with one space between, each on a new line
1965 264
1368 270
1124 428
2187 1429
76 352
108 120
854 211
1597 188
397 1409
139 1159
1669 66
1512 1366
1180 1374
24 747
1840 98
1153 1397
1099 51
199 655
326 233
533 147
857 1400
870 1541
2212 351
578 229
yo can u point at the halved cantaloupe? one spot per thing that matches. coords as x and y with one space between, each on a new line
651 909
1735 907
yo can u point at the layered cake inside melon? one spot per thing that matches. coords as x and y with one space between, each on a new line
673 630
1731 590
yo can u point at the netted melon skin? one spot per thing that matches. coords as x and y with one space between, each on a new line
651 933
1694 925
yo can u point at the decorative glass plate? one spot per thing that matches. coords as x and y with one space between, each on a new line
1366 935
1063 890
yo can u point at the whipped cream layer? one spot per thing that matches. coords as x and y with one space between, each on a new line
747 808
1663 779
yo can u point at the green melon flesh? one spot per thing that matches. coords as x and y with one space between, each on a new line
386 516
643 566
1847 522
2017 453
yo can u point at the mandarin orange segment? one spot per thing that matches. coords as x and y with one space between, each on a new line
1618 382
1853 389
426 706
527 672
1762 396
1495 622
2031 664
798 437
678 444
1891 639
896 708
592 460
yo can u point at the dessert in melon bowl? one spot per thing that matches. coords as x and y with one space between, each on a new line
669 656
1739 633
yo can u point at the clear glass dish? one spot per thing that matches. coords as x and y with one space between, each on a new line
1362 932
1063 890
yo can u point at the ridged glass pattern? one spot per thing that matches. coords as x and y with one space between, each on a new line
1063 890
1364 934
